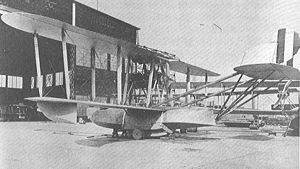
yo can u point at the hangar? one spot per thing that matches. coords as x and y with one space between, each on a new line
18 67
32 65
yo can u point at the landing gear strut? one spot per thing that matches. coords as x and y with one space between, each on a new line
115 133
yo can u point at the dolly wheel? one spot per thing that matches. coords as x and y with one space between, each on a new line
138 134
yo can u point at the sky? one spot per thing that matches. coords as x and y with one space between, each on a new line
214 34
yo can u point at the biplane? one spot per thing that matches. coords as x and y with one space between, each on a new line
140 121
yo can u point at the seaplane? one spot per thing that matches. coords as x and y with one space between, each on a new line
140 121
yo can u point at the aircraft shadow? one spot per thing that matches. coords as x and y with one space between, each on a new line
252 137
187 137
66 132
100 141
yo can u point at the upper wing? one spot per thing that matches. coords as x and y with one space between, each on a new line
181 67
52 28
145 54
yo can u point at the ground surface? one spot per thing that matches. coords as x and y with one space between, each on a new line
52 145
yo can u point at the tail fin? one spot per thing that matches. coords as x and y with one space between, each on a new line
288 44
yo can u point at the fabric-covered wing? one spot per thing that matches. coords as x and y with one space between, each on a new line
52 28
181 67
65 110
89 103
260 71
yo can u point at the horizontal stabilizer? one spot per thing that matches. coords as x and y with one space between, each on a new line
260 92
274 71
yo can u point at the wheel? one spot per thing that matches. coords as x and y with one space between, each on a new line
138 134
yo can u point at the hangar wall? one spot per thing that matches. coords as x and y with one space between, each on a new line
17 54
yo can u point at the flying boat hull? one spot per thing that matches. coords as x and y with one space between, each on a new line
173 119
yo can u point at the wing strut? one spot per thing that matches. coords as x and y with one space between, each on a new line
196 89
241 96
231 93
217 93
283 93
272 85
254 85
65 61
38 64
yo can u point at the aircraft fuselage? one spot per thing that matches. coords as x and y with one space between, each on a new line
150 121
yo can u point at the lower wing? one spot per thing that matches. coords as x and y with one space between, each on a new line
65 110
